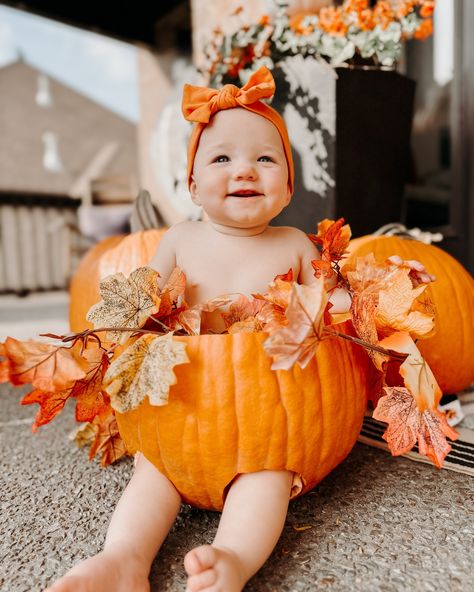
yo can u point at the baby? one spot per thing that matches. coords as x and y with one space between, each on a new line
241 173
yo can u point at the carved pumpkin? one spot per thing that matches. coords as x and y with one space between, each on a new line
229 413
122 253
449 351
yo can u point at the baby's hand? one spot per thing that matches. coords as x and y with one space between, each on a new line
418 273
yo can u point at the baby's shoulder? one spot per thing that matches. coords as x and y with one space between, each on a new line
181 229
290 233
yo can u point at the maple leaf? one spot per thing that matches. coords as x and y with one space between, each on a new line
417 375
387 290
286 277
87 391
278 294
249 325
172 293
241 310
363 310
91 399
298 340
145 368
107 441
190 319
4 365
407 424
126 302
51 404
332 238
45 366
395 303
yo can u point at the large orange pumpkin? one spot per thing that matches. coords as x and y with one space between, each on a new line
449 352
229 413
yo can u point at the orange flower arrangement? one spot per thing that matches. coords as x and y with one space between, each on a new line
338 34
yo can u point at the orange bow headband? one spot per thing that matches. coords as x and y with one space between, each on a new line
201 103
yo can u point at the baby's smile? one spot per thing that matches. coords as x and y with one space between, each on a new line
245 193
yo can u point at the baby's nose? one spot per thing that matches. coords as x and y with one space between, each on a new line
245 170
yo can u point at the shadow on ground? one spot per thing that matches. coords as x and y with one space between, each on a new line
378 523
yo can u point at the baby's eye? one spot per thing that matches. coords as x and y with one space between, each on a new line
222 158
266 158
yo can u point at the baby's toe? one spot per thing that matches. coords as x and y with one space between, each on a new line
202 580
200 559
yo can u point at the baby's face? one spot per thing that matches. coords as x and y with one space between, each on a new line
240 175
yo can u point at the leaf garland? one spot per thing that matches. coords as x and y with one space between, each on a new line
388 309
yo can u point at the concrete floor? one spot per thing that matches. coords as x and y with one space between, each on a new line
377 523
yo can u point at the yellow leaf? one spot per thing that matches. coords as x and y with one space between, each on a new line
301 528
126 302
145 368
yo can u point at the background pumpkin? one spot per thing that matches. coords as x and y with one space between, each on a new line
229 413
115 254
449 352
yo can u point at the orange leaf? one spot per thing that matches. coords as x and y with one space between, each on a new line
333 238
107 442
298 340
417 375
45 366
240 310
172 293
286 277
407 424
51 404
91 398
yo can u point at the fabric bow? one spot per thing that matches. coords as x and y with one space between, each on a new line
200 103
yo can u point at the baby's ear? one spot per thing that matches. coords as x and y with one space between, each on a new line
288 194
193 192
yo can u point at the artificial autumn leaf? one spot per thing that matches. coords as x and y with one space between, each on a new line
88 392
51 404
4 365
240 310
190 319
407 424
145 368
366 274
107 441
332 238
387 291
249 325
298 340
395 306
286 277
172 293
416 373
45 366
126 302
363 310
84 434
272 315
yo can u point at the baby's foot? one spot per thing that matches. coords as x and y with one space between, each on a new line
107 571
213 569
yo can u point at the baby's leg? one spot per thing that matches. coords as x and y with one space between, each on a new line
139 525
252 520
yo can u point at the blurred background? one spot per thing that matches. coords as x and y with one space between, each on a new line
90 115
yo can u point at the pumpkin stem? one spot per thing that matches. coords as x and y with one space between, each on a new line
397 229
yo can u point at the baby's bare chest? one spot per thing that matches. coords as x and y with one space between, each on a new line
217 269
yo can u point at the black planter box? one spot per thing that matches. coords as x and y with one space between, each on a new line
366 152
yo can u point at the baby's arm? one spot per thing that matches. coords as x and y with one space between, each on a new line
164 259
339 297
